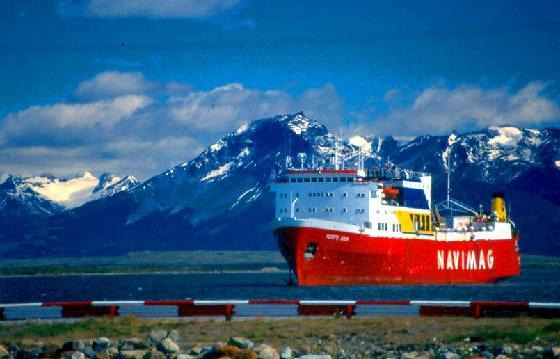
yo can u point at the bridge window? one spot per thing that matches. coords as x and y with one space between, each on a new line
342 179
328 179
313 179
299 179
306 179
320 179
292 179
349 179
335 179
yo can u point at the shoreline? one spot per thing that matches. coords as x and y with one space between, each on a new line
145 272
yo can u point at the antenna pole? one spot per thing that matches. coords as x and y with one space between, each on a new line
336 153
448 178
449 181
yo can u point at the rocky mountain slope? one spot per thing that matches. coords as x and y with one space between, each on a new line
222 200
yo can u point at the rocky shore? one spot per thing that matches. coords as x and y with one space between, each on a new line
162 344
284 340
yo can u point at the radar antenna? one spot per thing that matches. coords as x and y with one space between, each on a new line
302 157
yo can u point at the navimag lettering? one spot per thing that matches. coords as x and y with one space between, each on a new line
474 260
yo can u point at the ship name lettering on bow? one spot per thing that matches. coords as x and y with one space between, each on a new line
465 260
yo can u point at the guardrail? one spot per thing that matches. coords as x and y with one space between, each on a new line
275 307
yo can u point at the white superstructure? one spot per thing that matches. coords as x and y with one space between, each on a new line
375 202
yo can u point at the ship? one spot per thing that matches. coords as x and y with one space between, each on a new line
377 226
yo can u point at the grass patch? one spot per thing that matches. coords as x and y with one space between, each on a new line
518 334
315 334
553 327
126 326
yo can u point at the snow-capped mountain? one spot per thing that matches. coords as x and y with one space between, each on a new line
49 195
493 155
221 199
17 198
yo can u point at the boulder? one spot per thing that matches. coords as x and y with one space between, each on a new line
51 351
131 354
410 355
240 342
199 350
154 354
265 351
89 352
286 353
74 345
3 352
101 355
168 346
233 352
555 351
156 336
451 355
196 350
173 334
502 356
36 352
315 356
184 356
132 344
112 351
101 344
75 355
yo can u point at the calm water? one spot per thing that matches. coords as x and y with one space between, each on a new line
534 284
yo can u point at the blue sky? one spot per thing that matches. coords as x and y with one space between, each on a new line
121 86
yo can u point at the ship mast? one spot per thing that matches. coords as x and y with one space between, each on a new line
336 153
448 176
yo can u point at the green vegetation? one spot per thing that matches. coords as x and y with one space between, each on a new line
413 330
521 334
149 262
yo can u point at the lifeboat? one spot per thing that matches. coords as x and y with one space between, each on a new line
391 191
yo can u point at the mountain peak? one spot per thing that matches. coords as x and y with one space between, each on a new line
505 136
64 192
299 123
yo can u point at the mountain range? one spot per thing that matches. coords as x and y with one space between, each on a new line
221 199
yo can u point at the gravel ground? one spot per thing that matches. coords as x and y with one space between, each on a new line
131 337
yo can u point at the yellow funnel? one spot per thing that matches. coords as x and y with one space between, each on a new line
499 207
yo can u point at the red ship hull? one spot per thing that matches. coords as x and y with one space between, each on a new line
359 259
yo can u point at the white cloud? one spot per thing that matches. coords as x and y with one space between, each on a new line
110 84
224 108
63 123
158 8
118 127
440 110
